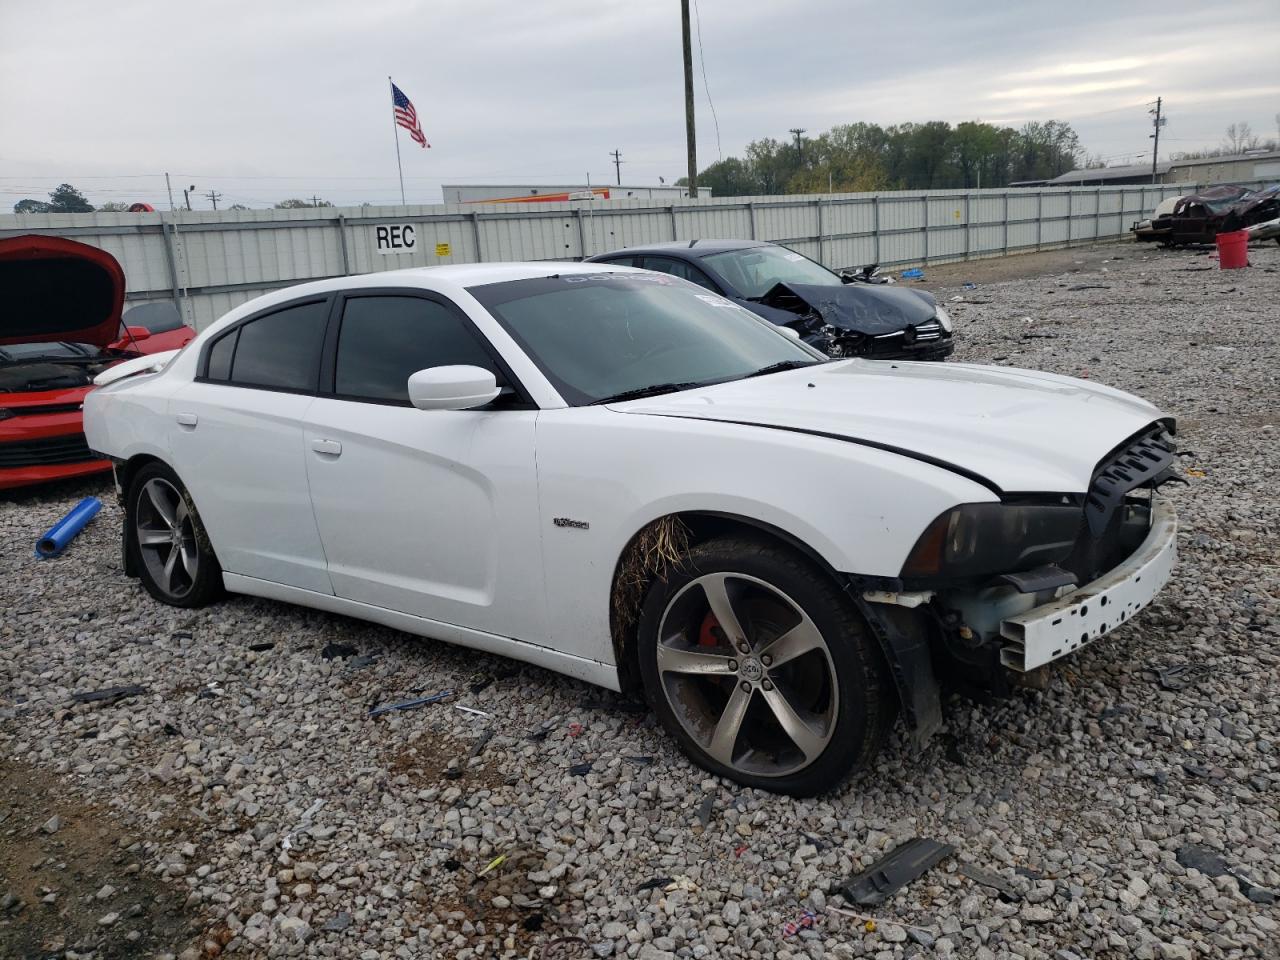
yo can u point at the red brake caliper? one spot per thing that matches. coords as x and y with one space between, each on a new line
706 638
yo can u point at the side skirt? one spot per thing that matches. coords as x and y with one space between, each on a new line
580 668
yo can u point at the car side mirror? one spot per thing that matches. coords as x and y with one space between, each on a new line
459 387
791 332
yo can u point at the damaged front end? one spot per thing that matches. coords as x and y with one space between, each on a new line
999 590
861 320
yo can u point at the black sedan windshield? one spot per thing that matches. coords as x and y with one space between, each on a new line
599 336
754 271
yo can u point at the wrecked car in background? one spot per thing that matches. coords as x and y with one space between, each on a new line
61 326
1200 217
778 550
843 315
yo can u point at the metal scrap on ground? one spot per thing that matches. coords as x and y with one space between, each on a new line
893 871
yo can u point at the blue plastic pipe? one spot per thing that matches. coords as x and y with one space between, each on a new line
57 537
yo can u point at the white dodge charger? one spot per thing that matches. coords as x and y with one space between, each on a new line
620 476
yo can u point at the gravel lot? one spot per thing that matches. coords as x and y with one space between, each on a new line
245 803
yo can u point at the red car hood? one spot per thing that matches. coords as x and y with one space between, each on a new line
57 289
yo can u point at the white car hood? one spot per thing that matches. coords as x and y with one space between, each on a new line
1021 430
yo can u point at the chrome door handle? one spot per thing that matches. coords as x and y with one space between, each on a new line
331 448
187 419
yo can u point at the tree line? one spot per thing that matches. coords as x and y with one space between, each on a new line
67 199
909 156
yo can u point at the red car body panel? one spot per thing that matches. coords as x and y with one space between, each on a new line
42 431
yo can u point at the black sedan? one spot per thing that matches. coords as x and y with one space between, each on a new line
836 313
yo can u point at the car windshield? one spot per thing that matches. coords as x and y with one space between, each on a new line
754 271
602 336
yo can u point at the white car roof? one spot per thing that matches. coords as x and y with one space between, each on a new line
447 279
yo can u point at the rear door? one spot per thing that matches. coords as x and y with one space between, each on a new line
428 512
237 444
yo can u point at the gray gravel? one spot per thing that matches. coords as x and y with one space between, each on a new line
294 825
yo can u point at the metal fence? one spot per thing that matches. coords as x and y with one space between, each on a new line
209 262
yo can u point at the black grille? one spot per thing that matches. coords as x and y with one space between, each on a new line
1137 463
50 451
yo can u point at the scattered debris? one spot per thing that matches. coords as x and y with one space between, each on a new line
480 744
493 864
575 729
805 921
542 732
1213 864
739 850
580 769
108 694
1090 286
480 682
1179 675
261 647
653 884
287 842
359 663
472 710
1008 893
873 922
893 871
55 539
639 761
915 273
410 704
332 651
970 285
706 808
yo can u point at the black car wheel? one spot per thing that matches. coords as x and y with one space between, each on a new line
762 670
171 550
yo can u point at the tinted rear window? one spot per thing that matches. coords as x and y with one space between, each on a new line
282 349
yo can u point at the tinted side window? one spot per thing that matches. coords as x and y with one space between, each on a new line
220 356
282 349
385 339
678 268
621 261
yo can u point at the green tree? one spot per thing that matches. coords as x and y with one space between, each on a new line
31 206
113 206
295 203
67 199
237 206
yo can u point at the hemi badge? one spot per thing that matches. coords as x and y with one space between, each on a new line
575 524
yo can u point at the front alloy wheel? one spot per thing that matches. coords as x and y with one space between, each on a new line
762 669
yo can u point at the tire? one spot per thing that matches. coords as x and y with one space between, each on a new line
796 722
183 570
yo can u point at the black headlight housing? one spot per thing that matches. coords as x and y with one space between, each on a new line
978 540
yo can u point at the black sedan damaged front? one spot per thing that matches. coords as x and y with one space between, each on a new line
878 322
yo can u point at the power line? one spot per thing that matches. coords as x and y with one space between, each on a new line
214 196
702 60
1158 122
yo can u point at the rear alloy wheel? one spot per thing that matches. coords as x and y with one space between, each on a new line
172 552
762 669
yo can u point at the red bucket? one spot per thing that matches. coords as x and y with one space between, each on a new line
1233 250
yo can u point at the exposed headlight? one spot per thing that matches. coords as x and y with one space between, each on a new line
944 318
985 539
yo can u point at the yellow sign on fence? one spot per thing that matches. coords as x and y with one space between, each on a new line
443 250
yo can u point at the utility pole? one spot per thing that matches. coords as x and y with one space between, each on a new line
796 131
186 195
315 201
1157 123
690 135
617 164
214 196
169 186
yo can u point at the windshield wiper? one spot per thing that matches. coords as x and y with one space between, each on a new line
650 391
784 365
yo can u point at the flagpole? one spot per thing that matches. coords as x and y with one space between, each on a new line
395 132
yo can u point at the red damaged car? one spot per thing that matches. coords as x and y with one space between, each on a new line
60 326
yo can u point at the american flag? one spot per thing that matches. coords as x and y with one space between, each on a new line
406 116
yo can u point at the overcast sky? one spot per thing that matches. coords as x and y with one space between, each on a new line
266 99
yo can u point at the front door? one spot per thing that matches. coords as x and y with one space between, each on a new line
428 512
